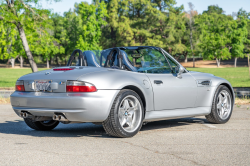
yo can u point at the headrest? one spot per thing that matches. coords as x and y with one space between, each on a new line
91 59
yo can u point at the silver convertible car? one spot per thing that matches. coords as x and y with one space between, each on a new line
120 88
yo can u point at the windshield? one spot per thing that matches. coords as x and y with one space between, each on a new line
148 60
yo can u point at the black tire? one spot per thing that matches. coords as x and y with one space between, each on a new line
41 125
214 117
112 125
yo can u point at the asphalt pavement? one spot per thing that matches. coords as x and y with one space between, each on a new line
187 141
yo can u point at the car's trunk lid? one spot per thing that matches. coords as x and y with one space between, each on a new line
59 77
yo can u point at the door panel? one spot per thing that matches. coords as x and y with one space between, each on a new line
171 92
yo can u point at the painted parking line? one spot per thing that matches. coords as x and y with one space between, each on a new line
205 124
209 125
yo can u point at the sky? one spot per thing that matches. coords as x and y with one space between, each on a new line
229 6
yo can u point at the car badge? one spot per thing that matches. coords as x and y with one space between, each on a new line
61 83
47 73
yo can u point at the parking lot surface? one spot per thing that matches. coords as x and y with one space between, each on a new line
187 141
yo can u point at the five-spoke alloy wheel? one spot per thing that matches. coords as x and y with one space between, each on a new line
130 113
126 115
222 106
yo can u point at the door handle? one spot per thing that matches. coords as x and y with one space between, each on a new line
158 82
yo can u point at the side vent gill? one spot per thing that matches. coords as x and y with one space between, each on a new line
204 82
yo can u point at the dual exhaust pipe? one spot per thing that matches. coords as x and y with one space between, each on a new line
57 116
60 117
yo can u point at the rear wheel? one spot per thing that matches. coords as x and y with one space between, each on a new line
126 115
41 125
222 106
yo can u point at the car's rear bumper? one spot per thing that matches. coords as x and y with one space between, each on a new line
81 107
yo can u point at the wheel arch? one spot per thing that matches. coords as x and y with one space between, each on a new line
139 92
230 88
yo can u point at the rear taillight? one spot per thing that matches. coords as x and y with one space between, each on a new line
20 86
63 69
80 86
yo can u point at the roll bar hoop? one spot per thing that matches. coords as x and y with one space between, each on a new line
111 57
81 58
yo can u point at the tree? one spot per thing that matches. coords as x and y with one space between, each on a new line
214 9
117 31
191 23
215 35
92 18
60 34
243 13
9 44
14 12
238 35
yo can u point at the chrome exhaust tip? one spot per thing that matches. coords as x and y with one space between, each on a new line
60 117
21 114
26 115
55 117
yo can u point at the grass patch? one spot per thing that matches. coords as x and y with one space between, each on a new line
242 101
238 77
8 77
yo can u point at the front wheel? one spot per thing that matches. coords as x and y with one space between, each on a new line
41 125
222 106
126 115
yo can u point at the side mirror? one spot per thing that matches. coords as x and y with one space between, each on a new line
179 70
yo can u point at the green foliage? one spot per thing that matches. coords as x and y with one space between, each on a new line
19 15
238 36
215 30
9 43
91 18
80 28
114 23
214 9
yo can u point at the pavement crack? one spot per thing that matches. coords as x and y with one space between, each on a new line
157 152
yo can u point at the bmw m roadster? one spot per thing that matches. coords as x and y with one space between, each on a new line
120 88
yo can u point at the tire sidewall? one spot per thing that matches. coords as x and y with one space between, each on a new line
214 109
120 98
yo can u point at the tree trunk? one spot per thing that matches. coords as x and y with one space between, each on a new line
191 39
248 60
12 61
21 61
113 37
235 62
57 61
50 61
8 62
248 64
26 47
218 62
47 63
186 59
